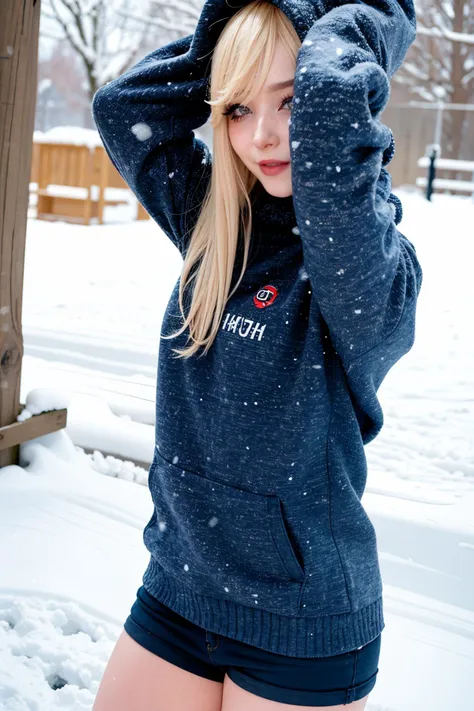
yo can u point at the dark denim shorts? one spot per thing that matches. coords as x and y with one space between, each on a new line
317 681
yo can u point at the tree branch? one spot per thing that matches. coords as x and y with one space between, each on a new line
77 13
185 8
156 22
446 34
76 46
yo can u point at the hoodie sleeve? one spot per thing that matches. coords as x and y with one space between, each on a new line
146 119
364 273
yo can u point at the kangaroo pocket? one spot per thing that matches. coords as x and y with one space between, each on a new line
219 539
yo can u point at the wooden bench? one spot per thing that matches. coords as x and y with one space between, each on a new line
463 166
66 187
76 182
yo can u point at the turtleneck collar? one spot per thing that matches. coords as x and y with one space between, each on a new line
273 221
274 225
270 213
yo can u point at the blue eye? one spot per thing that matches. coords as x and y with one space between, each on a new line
230 109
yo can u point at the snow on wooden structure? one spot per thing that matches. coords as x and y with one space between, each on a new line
73 177
19 32
73 182
452 184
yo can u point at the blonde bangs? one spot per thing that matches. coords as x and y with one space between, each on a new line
243 56
241 61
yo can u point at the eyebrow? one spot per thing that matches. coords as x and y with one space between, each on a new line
280 85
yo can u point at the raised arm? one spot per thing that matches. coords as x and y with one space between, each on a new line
146 119
364 273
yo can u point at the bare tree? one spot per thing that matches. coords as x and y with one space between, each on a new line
109 35
440 64
167 20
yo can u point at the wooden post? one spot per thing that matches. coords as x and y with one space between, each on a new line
103 162
19 32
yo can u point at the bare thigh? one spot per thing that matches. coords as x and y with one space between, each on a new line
137 680
237 699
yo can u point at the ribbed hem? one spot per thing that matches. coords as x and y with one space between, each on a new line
323 636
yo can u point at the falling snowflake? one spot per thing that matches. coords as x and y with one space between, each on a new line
142 131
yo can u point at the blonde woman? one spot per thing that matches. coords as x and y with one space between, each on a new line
296 297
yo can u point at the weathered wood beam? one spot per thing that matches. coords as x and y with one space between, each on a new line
36 426
19 32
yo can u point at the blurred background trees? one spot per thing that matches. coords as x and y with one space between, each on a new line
439 66
86 43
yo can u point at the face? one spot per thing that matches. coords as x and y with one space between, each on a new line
259 131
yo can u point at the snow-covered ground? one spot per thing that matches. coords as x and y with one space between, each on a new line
71 551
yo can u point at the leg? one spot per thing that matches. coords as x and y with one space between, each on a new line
137 680
237 699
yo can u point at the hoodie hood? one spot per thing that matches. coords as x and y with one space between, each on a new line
395 16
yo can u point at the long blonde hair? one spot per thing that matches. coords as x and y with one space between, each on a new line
244 51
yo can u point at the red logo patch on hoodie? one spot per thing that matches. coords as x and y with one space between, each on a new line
265 296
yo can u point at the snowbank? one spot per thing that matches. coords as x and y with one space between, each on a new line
69 134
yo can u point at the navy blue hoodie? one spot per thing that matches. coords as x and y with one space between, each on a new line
258 532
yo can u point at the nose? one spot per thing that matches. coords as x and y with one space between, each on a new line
265 133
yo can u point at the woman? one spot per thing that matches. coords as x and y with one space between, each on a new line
263 587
